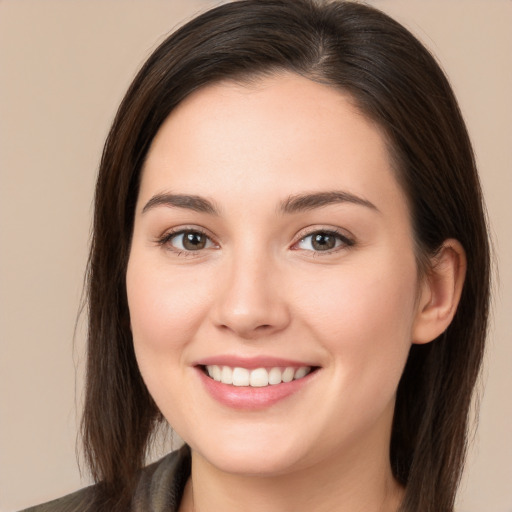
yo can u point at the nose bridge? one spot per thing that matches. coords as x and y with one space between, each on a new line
250 300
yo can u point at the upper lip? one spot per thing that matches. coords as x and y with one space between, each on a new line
250 362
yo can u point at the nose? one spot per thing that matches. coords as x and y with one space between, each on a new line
251 298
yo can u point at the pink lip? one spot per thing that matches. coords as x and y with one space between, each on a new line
249 398
250 362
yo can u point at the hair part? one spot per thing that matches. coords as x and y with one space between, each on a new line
395 82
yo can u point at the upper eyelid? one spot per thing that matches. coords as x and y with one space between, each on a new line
347 241
303 233
186 229
168 234
311 230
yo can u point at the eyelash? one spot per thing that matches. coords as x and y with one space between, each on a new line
165 240
343 239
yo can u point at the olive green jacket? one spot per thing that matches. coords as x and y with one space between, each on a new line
159 489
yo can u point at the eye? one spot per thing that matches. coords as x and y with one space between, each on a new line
324 241
187 240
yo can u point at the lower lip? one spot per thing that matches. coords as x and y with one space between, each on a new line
249 398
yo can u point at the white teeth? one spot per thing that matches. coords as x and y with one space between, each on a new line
240 377
217 373
301 372
275 376
226 375
288 374
257 378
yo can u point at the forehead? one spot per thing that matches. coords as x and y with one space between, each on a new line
282 134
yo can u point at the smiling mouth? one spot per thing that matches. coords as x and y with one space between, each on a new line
257 377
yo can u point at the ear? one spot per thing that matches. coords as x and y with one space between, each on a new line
440 292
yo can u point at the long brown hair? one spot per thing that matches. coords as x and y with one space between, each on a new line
394 81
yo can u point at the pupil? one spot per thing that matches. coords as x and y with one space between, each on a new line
323 242
194 241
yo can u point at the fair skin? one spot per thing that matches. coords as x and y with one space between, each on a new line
229 268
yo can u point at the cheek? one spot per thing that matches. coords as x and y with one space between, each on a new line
376 295
364 317
165 308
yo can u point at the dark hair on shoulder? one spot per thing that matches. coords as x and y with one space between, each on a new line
395 82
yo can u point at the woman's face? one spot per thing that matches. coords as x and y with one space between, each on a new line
272 241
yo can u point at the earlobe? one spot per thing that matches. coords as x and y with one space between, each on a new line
440 293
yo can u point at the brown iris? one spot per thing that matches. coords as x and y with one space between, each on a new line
194 241
323 241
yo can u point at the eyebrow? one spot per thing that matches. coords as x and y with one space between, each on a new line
293 204
190 202
303 202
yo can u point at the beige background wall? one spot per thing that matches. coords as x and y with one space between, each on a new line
63 68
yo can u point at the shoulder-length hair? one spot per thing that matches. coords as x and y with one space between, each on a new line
395 82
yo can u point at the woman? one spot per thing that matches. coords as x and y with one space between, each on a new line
290 266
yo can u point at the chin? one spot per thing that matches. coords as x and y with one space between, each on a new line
251 455
252 464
